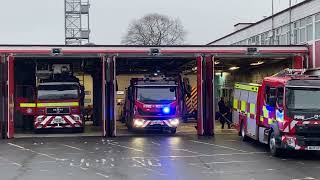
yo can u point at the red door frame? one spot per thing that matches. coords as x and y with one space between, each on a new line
7 96
3 99
109 111
200 94
299 62
206 100
103 105
210 99
10 130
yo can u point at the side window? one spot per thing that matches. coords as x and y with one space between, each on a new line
270 96
280 93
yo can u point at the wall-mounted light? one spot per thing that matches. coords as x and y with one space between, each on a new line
257 63
233 68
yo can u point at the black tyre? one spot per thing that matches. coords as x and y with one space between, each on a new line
243 133
274 150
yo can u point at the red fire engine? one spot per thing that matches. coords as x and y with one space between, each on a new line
58 100
153 103
282 112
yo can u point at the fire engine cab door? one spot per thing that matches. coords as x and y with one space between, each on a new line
7 96
109 111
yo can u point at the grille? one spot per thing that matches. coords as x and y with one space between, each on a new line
308 130
57 110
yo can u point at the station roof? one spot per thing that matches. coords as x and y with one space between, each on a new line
141 59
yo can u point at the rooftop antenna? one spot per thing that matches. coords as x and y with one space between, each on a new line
77 31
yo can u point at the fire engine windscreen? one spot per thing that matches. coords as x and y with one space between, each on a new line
156 94
303 99
57 92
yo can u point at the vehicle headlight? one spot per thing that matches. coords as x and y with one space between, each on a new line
138 122
77 118
39 119
174 122
291 141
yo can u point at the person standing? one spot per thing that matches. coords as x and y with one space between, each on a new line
223 112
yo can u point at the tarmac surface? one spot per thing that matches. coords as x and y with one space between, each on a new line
152 156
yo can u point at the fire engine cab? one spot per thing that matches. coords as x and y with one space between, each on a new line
58 99
153 103
282 112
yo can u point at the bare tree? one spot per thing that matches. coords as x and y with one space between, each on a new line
155 29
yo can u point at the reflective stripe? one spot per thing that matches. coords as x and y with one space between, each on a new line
244 106
261 118
279 116
252 108
58 104
265 112
249 87
235 103
270 121
27 105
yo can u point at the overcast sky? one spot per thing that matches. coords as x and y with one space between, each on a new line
42 21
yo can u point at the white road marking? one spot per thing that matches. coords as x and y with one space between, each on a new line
105 176
139 150
161 174
188 151
71 153
196 156
72 147
41 154
220 146
156 143
231 140
222 162
12 162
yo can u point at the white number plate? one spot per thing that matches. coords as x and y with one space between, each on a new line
158 122
314 148
58 121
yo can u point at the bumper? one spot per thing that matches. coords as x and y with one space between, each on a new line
58 122
300 142
155 124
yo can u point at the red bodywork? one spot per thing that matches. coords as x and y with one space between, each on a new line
297 129
43 119
151 114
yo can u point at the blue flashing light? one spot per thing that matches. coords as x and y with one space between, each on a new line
166 110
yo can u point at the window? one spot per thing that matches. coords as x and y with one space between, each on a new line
309 28
277 37
253 41
317 26
303 98
280 93
303 37
262 38
258 40
270 96
295 33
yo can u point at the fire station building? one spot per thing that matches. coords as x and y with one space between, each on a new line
297 25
